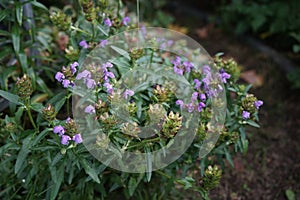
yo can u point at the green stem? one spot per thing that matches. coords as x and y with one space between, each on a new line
68 103
143 142
30 117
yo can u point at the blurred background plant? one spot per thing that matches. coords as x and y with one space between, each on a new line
40 155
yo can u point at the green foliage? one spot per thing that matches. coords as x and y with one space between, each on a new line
34 162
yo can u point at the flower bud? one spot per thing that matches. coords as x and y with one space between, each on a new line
211 177
61 20
24 88
71 127
49 113
171 125
136 53
88 7
131 129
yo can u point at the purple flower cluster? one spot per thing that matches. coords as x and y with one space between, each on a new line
258 103
90 109
60 130
126 21
224 75
245 114
181 67
106 76
197 102
65 77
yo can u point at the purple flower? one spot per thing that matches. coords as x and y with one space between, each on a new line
73 67
77 139
206 69
125 21
107 65
245 114
109 87
202 97
194 96
190 107
178 70
180 103
68 120
90 83
177 61
103 43
59 76
107 22
258 103
200 106
188 66
144 30
66 83
84 74
197 84
206 81
90 109
65 139
224 76
59 130
83 44
127 93
170 42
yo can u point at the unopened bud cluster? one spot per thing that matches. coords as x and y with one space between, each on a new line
61 20
211 177
131 129
49 113
89 10
24 87
229 65
171 125
162 94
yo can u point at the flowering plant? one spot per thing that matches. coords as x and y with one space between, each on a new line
142 100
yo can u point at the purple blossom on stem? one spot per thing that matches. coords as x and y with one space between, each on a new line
108 87
107 22
180 103
66 83
202 97
190 107
84 74
194 96
103 43
177 61
59 130
197 84
178 70
90 109
83 44
68 120
59 76
90 83
125 21
200 106
107 65
258 103
188 66
73 67
245 115
224 76
65 139
170 42
206 69
77 138
127 93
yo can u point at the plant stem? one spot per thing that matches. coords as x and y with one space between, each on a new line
80 30
144 141
30 117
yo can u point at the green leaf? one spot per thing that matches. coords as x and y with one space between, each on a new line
149 165
39 5
10 97
3 14
16 38
121 51
23 154
40 136
252 123
89 170
19 13
43 86
290 195
37 107
23 61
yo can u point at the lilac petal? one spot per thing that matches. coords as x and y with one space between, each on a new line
258 103
103 43
245 115
90 83
90 109
83 44
59 130
66 83
59 76
194 96
180 103
65 139
77 139
84 74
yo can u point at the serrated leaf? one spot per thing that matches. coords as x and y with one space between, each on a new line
10 97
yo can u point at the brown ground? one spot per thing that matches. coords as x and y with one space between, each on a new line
272 164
